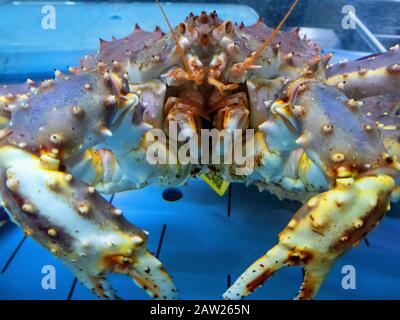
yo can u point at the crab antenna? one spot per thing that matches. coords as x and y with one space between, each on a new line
178 46
258 52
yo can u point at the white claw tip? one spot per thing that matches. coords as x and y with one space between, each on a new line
137 240
107 132
58 73
83 208
91 190
12 184
30 82
110 100
340 85
51 183
77 110
56 138
28 208
52 232
116 212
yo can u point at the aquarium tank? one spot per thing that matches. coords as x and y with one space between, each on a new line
84 207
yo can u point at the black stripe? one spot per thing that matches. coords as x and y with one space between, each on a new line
164 228
229 201
14 254
72 289
111 198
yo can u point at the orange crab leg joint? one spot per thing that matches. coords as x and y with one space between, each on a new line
178 47
221 86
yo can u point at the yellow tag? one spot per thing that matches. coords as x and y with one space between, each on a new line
215 181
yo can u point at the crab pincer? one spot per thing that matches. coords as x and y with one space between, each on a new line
92 237
320 232
338 136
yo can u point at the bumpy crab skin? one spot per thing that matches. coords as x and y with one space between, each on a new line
320 232
384 111
48 128
10 95
369 76
69 218
67 114
334 131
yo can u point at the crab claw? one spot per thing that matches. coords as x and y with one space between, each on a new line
69 218
144 269
320 232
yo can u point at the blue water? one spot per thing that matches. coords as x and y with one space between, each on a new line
207 239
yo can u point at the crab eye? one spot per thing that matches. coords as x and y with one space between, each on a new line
181 28
228 27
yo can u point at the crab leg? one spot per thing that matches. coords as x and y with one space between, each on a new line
320 232
69 218
10 96
384 112
370 76
120 161
359 171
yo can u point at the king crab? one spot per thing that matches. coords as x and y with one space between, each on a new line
325 136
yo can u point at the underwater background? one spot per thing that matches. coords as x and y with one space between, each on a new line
203 240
